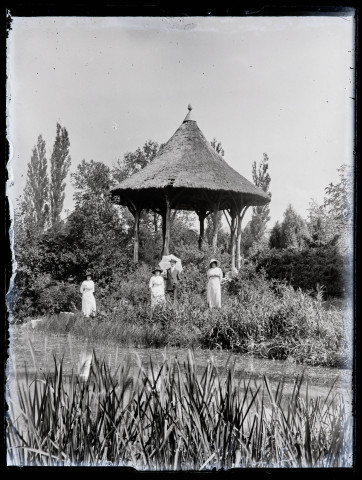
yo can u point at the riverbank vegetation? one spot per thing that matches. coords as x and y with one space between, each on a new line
274 307
172 417
261 317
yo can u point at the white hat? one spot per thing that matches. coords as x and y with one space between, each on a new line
213 260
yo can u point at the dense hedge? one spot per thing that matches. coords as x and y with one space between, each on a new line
308 269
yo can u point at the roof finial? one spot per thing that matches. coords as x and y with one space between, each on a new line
188 116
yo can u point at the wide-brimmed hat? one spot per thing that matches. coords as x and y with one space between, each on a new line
88 274
157 268
213 260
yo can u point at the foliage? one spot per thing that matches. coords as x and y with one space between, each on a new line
308 268
59 166
332 222
96 222
91 178
261 214
254 230
46 296
217 146
132 162
173 416
339 197
323 228
35 204
262 313
213 220
291 233
263 317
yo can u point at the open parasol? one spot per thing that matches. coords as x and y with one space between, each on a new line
165 262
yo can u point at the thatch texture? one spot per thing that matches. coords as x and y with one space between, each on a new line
192 173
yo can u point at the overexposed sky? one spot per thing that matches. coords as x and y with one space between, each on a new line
279 85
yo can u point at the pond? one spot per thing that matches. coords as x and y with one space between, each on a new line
23 339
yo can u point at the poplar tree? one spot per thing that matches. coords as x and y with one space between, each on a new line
261 214
35 204
59 166
214 220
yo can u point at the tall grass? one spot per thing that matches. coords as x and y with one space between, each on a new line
282 324
173 416
259 316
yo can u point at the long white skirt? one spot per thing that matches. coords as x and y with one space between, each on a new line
88 303
214 292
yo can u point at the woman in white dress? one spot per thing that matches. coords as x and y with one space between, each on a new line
88 300
214 274
157 287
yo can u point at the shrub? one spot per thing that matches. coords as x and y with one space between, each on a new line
308 268
45 296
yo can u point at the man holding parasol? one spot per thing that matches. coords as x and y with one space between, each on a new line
171 266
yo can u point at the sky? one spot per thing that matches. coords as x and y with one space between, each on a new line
279 85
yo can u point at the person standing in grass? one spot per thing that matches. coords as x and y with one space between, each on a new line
173 278
214 275
88 300
157 287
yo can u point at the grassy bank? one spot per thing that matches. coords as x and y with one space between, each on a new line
276 325
259 316
168 417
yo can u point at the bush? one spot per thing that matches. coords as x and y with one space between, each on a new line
308 268
46 296
262 317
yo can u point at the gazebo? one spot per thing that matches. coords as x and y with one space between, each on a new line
188 174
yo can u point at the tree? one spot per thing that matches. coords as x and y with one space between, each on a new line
260 216
97 233
214 220
255 229
332 222
323 227
276 236
132 162
291 233
339 198
59 166
91 179
35 204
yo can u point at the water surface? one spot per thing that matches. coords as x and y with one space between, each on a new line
67 347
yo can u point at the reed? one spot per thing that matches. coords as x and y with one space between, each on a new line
282 324
173 416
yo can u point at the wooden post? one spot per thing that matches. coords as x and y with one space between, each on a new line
202 216
233 237
215 231
216 217
136 212
166 226
240 217
137 215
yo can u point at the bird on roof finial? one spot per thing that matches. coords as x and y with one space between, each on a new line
189 107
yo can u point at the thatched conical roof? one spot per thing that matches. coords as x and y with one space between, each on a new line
191 170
